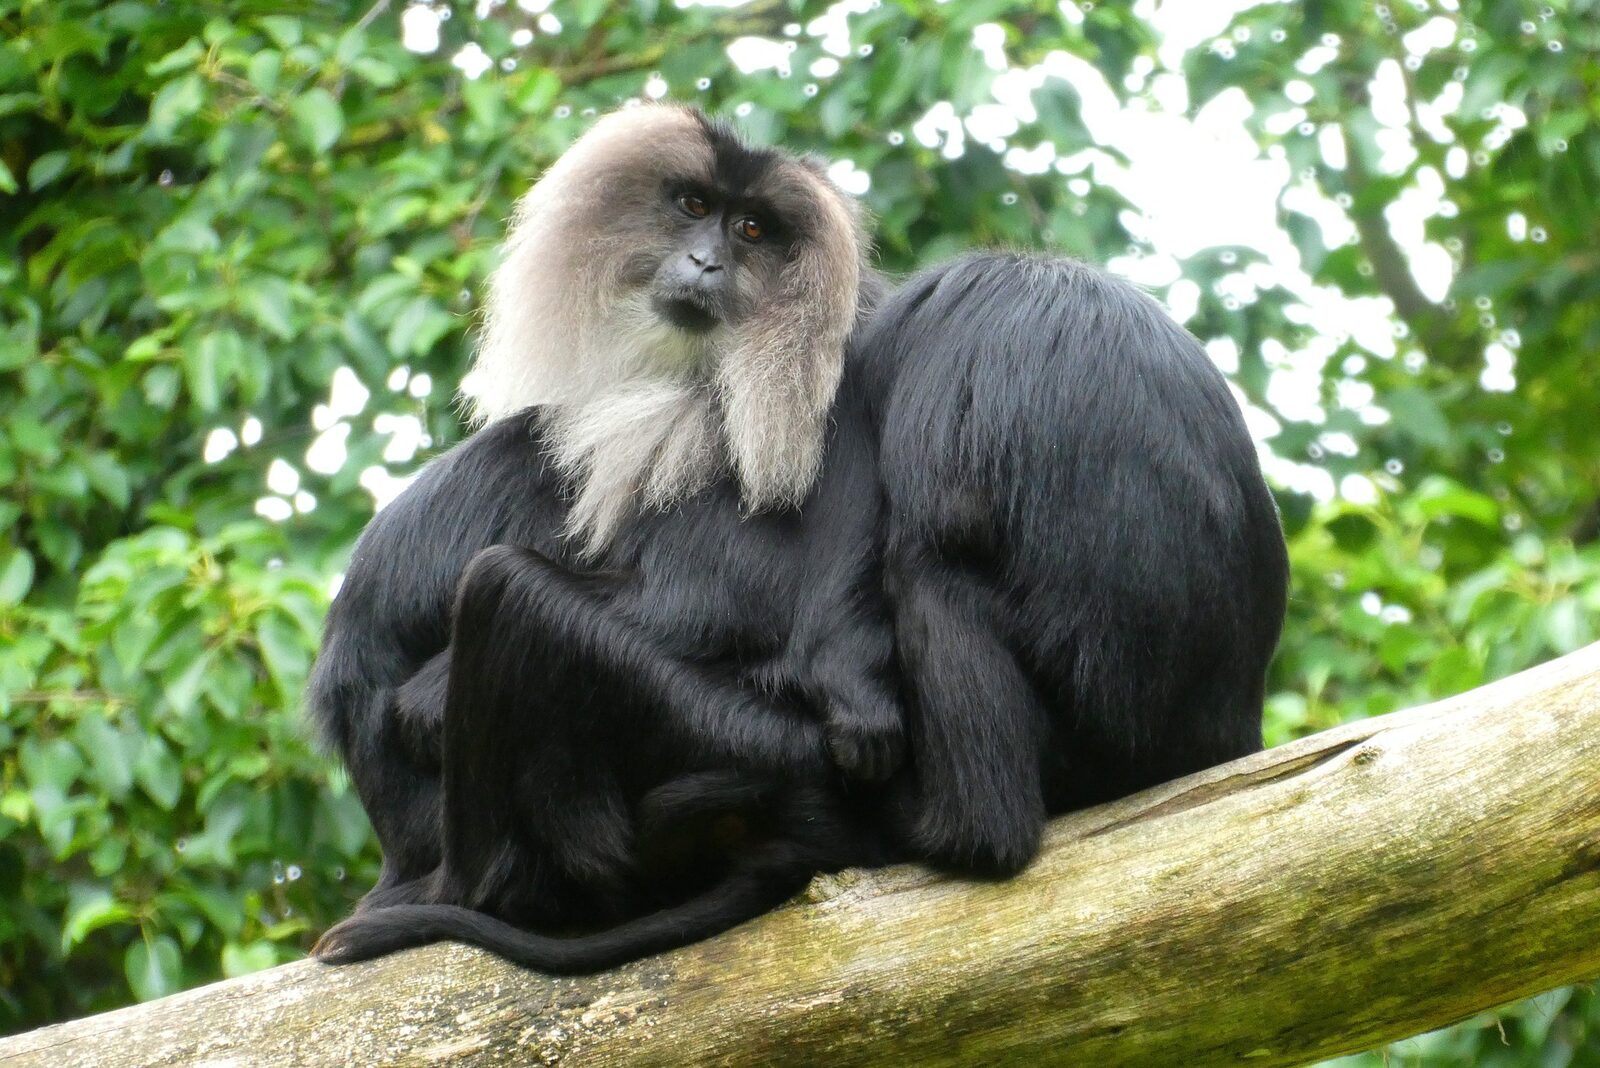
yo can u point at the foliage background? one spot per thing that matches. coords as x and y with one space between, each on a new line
210 213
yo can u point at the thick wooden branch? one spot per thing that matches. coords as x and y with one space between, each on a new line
1364 884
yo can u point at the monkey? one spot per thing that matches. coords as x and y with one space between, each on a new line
1084 565
603 665
1052 574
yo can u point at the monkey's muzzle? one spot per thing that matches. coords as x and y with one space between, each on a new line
688 308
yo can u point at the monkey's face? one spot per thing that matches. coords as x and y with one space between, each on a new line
722 250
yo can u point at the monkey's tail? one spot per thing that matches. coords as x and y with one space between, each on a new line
756 887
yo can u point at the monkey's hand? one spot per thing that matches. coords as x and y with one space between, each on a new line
866 737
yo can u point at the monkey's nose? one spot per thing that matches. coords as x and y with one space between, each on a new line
706 260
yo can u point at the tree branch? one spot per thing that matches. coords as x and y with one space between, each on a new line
1370 882
1427 321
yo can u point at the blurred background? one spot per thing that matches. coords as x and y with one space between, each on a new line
244 244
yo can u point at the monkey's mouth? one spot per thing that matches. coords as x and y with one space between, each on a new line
687 310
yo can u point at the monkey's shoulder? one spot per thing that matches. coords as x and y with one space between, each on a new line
499 485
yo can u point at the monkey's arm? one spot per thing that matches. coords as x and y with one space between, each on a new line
842 647
848 676
518 598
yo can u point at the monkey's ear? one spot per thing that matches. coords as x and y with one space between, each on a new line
778 384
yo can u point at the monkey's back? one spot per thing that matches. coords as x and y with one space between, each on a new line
1049 432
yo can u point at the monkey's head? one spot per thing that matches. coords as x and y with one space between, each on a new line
680 302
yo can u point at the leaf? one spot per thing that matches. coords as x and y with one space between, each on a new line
208 366
158 773
154 967
8 181
1566 626
1454 670
901 75
55 820
351 43
224 817
969 13
47 168
285 653
1419 417
1060 111
175 102
89 910
1487 85
284 31
180 58
191 234
111 755
341 819
240 960
52 765
109 478
534 93
419 325
269 302
485 101
160 386
225 910
318 118
838 115
19 103
375 71
1353 532
181 689
16 577
263 69
1438 496
587 12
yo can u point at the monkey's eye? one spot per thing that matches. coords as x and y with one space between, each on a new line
693 205
749 228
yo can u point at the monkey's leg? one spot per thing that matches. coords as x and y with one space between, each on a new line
976 725
399 786
534 822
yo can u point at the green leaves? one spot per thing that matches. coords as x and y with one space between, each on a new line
154 967
16 576
205 215
209 366
47 168
158 773
284 31
90 909
242 960
284 648
174 103
1438 497
318 119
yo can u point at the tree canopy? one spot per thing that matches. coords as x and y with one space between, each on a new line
244 245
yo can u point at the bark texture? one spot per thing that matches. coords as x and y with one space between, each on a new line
1367 883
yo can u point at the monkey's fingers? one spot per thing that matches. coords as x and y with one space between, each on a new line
867 745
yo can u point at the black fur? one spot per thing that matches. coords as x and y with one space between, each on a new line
575 751
1040 536
1085 568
